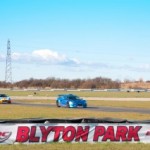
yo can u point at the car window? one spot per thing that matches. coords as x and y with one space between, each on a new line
3 95
73 97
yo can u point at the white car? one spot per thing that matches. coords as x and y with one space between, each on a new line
5 99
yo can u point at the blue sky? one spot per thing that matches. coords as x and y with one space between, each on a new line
76 38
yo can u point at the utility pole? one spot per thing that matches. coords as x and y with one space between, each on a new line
8 70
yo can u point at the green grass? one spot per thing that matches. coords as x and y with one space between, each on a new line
82 93
128 104
79 146
15 112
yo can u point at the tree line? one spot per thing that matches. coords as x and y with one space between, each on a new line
96 83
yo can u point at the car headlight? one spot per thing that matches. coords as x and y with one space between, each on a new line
70 102
8 98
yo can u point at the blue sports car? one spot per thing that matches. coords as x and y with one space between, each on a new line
70 101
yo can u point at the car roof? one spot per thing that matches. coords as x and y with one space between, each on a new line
66 95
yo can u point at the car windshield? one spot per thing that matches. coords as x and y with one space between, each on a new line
73 97
3 95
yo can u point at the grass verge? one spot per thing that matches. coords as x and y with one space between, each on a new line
80 93
77 146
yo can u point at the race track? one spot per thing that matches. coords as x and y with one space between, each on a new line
91 108
87 98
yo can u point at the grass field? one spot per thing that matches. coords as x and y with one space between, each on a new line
82 93
16 112
79 146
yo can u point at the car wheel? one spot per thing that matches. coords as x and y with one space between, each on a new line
84 106
9 102
57 104
68 106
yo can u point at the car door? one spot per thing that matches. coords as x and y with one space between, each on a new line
65 100
60 100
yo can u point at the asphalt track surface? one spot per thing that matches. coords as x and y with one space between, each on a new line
90 108
87 98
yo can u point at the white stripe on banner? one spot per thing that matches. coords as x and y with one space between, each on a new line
61 132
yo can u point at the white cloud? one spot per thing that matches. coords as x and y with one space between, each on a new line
138 68
145 66
49 56
2 57
18 56
44 56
